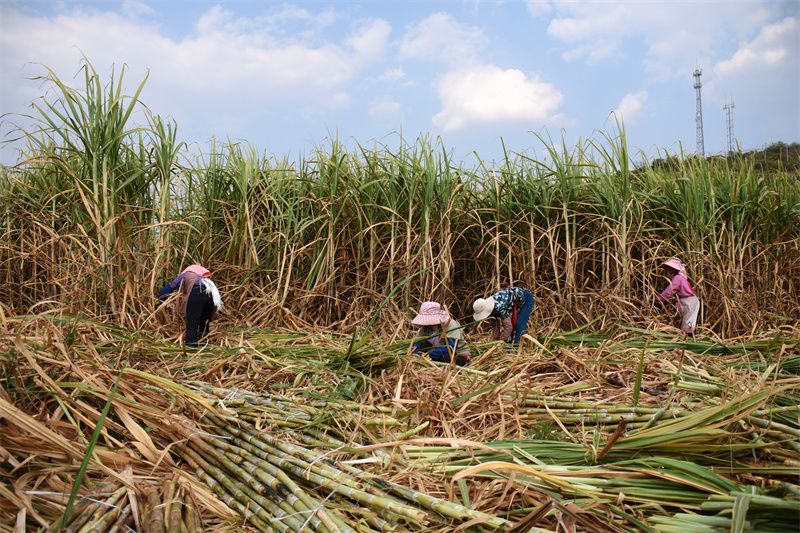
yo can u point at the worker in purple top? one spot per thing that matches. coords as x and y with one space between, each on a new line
688 305
200 300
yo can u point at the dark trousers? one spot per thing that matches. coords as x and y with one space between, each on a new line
199 312
523 315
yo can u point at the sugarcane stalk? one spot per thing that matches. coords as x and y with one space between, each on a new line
306 471
286 500
325 439
289 503
569 418
443 507
446 508
310 502
262 507
119 523
79 519
775 426
231 497
103 522
360 496
327 521
654 419
155 516
175 509
170 483
700 388
230 461
191 518
290 497
625 411
102 509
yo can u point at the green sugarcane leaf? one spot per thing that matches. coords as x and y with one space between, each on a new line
76 485
638 384
739 516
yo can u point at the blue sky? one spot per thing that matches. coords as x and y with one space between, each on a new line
284 76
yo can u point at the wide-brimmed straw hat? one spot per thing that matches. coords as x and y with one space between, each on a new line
677 264
431 314
482 308
200 270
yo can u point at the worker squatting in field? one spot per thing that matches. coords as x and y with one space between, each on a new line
440 335
511 307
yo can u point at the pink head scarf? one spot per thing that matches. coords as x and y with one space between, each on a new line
200 270
677 264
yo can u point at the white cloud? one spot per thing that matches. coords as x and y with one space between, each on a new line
227 62
674 35
539 7
134 8
370 41
392 75
596 51
775 44
763 78
385 108
218 21
440 38
288 12
486 94
291 22
631 105
338 100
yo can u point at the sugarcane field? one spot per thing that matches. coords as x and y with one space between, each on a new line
376 337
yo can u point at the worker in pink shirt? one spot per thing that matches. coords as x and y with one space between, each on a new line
199 303
688 304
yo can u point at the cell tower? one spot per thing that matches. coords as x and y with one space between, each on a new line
729 120
699 118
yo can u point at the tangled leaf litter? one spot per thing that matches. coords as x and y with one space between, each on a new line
283 434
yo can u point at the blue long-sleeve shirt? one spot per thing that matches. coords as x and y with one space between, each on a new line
170 287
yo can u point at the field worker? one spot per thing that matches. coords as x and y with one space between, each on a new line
511 307
200 300
440 335
688 304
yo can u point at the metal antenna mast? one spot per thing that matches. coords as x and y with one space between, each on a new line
729 120
699 118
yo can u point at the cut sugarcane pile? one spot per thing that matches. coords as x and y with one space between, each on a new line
286 487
